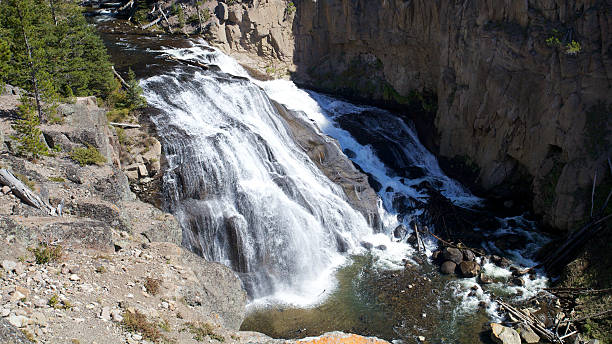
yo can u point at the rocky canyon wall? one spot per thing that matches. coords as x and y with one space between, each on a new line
517 101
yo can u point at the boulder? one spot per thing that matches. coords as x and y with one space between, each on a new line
399 232
484 279
504 335
469 269
468 255
448 267
527 334
452 254
11 334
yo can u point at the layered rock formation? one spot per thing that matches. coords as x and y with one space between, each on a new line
517 100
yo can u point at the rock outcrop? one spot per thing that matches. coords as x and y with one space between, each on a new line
326 153
521 86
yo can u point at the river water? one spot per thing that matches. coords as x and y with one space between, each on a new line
248 196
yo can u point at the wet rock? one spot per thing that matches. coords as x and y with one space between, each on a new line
399 232
504 335
452 254
502 262
469 269
366 245
484 279
436 255
527 334
517 282
468 255
381 247
448 267
349 153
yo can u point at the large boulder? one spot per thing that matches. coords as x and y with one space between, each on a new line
469 269
504 335
452 254
528 334
11 334
448 267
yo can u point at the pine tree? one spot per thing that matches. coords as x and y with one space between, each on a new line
28 134
53 51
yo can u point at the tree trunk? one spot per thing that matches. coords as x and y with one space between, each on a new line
32 68
23 192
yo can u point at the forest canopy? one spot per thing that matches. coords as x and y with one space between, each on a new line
48 48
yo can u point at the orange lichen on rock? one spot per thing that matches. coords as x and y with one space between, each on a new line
342 338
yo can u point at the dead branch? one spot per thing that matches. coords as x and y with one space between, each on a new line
24 193
123 83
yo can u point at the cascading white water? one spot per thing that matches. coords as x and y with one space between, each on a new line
245 194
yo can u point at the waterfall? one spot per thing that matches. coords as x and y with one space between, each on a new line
244 193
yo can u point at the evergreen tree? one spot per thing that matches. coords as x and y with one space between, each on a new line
52 51
28 134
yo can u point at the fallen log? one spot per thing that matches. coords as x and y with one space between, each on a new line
24 193
529 320
125 125
144 27
129 4
123 83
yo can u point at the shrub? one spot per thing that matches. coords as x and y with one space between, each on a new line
137 322
87 156
201 330
152 285
46 253
290 8
573 48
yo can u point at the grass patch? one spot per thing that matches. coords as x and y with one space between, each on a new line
46 253
201 330
25 180
57 179
87 156
137 322
152 285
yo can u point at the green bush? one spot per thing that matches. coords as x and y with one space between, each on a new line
290 8
28 134
573 48
46 253
87 156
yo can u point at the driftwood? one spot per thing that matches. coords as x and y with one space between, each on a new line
125 125
144 27
476 251
531 321
123 83
562 255
188 62
23 192
416 231
129 4
165 18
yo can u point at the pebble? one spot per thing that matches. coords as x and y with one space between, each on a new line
74 277
116 315
40 303
136 336
105 314
421 338
4 312
6 189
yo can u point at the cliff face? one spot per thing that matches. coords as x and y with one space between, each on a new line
514 101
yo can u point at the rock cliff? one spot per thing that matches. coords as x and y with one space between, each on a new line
522 87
